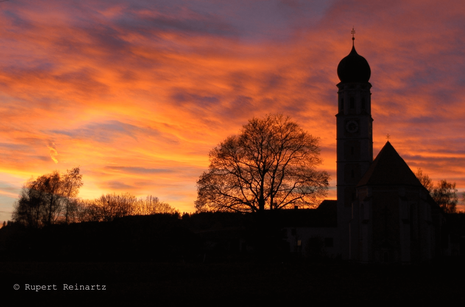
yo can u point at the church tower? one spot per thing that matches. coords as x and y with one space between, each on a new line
354 139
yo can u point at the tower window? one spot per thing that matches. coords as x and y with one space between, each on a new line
363 103
352 173
352 152
352 103
342 104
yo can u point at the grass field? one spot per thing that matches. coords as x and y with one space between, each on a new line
232 284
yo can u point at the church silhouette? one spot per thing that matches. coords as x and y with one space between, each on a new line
383 214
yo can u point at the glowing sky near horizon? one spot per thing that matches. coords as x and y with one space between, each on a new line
136 93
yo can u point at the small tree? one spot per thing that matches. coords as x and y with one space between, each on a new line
445 195
44 200
111 206
151 205
72 182
108 207
270 164
425 180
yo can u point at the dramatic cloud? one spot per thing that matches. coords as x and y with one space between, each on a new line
137 93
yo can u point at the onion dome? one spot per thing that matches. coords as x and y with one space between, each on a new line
353 68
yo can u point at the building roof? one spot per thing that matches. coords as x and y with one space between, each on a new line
389 169
353 68
323 216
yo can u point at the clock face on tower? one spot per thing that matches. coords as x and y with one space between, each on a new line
352 126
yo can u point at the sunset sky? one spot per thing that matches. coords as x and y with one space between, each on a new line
136 92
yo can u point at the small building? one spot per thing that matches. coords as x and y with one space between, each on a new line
312 232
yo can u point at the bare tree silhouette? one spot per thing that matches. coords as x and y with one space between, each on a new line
111 206
45 200
444 193
271 163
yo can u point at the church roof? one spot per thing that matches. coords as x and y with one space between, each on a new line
353 68
389 169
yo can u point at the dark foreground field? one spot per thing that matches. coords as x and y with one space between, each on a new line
230 284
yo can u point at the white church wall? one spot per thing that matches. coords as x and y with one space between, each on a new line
298 239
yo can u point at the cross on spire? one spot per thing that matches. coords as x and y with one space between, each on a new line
353 36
